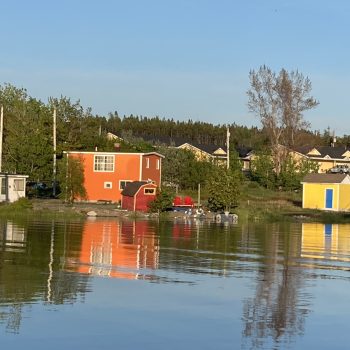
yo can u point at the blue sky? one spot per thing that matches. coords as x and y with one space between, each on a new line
177 59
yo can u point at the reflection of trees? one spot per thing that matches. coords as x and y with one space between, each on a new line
25 263
276 313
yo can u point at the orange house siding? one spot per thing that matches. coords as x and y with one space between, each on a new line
127 167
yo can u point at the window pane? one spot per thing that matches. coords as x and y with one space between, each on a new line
104 163
3 186
18 184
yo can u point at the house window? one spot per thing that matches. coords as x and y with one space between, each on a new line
3 185
123 183
147 163
18 184
149 191
158 164
104 163
108 185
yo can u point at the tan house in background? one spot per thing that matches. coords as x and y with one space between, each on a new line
218 154
325 156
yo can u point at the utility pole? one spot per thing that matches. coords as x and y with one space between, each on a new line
199 196
228 147
54 154
1 134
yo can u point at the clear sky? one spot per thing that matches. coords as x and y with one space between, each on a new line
177 58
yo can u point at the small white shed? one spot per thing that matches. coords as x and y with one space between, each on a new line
13 187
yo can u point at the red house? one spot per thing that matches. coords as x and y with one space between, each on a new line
137 195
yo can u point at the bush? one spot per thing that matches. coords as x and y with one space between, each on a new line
162 202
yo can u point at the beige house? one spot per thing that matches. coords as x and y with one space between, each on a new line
218 154
325 156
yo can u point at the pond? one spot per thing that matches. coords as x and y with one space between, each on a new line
128 284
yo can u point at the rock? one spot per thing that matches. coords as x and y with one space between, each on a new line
91 213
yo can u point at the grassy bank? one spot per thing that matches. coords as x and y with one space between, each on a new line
260 204
39 209
256 204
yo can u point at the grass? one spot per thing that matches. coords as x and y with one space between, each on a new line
260 204
256 204
24 208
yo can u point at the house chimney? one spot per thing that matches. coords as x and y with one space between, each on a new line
117 147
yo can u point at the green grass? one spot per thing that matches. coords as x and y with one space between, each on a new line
24 208
260 204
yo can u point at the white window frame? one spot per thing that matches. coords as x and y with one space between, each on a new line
147 163
120 183
158 164
149 188
108 185
106 164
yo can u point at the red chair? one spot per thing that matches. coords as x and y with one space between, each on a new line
188 201
177 201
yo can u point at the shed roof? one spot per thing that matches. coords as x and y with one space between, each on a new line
326 178
132 188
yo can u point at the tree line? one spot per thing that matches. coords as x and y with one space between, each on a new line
278 100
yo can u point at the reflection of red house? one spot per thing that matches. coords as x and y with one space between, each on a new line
117 249
137 195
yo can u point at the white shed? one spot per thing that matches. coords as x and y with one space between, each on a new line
13 187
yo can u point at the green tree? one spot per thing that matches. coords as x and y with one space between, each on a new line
71 178
27 139
262 170
293 172
223 187
162 202
180 168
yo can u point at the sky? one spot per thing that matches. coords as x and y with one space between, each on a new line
180 59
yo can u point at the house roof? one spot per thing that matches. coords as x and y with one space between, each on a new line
132 188
324 151
326 178
211 149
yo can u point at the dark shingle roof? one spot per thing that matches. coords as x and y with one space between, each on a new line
131 188
241 150
333 152
324 178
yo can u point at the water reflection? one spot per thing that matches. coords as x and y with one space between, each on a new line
277 311
31 268
54 263
12 237
323 242
116 249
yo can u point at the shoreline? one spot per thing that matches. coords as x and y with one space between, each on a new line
266 211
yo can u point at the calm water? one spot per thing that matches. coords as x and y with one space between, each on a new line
108 284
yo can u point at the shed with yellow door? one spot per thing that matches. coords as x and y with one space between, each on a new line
326 192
